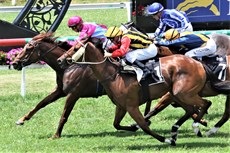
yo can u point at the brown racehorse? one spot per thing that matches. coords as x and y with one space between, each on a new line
180 80
71 82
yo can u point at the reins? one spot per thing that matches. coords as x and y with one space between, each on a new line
51 49
110 77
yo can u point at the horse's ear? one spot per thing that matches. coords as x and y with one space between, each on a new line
50 34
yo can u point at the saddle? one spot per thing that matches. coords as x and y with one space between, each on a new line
153 65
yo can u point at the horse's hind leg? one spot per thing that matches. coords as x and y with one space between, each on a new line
69 104
176 126
135 113
56 94
119 115
223 120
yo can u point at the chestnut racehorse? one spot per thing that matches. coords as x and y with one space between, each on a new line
180 80
223 48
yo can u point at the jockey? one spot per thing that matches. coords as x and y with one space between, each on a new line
189 43
171 18
134 45
88 32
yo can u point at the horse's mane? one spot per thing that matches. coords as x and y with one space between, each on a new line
49 38
46 37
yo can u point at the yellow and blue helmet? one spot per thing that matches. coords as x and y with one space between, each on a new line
172 34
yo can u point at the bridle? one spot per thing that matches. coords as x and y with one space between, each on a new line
35 44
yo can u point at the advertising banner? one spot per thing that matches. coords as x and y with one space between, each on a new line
203 10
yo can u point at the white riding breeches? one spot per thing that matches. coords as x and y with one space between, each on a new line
142 54
207 50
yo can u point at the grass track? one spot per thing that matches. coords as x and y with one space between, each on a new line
89 128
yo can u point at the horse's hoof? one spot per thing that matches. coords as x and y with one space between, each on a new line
54 137
199 134
134 127
204 123
19 122
173 142
149 122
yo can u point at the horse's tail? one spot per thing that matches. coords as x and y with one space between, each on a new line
222 87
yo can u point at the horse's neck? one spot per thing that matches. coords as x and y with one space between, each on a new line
102 70
51 58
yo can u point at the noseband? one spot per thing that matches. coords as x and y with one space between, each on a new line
35 44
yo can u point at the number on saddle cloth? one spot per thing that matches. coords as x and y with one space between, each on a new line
218 65
153 65
155 68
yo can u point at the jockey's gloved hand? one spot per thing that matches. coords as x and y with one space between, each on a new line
107 54
157 39
155 42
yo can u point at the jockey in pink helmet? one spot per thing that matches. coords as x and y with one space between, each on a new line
88 31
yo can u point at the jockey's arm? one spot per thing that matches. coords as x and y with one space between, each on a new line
124 48
119 50
79 43
160 30
177 42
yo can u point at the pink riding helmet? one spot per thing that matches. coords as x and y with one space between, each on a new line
73 21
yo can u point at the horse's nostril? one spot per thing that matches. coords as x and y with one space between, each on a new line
59 61
69 61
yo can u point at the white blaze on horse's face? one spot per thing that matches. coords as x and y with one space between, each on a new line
25 47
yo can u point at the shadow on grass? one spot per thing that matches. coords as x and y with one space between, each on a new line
164 146
181 134
187 145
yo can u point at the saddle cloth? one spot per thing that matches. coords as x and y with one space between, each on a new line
218 65
154 67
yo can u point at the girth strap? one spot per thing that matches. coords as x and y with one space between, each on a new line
99 90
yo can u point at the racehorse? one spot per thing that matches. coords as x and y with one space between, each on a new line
223 48
71 82
178 72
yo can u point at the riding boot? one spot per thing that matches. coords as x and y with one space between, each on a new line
146 71
139 64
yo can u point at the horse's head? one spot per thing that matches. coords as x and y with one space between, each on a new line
27 56
32 52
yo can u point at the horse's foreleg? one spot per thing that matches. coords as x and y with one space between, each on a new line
147 107
223 120
53 96
162 104
119 115
69 104
135 113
